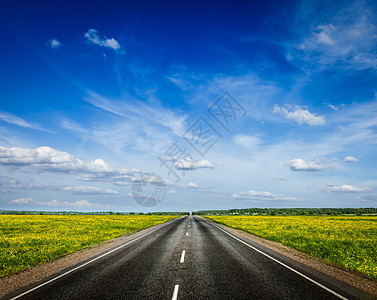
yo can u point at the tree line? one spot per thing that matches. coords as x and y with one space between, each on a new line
291 211
69 213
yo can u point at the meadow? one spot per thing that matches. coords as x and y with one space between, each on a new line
348 241
29 240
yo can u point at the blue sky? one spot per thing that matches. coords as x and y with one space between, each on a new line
93 96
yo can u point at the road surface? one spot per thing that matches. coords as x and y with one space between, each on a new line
189 258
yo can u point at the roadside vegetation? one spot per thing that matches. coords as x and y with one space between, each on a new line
348 241
29 240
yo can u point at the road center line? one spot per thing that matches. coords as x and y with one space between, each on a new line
90 261
175 293
281 263
183 256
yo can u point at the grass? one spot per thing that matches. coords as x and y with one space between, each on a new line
26 241
350 242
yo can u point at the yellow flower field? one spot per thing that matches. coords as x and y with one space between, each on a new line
29 240
348 241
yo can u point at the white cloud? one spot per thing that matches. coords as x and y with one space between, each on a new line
93 36
340 37
189 164
367 198
336 108
22 201
192 185
150 126
345 189
324 38
263 195
52 160
35 202
12 119
49 203
12 183
350 159
89 190
79 203
299 164
180 82
150 113
54 43
299 115
247 141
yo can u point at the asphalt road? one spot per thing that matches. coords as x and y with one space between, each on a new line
190 258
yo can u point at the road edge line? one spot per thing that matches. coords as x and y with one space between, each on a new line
279 262
89 262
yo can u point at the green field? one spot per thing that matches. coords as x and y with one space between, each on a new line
26 241
350 242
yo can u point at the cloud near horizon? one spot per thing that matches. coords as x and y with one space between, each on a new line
263 195
89 190
345 188
78 203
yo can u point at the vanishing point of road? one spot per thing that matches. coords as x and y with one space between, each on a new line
189 258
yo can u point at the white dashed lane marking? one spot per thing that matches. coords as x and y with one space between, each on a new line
183 256
175 293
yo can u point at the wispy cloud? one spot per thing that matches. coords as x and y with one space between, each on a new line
299 115
263 196
93 36
78 203
133 109
89 190
12 119
339 37
178 80
250 142
144 125
335 108
191 185
16 184
279 178
54 43
345 188
83 203
356 127
35 202
369 198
